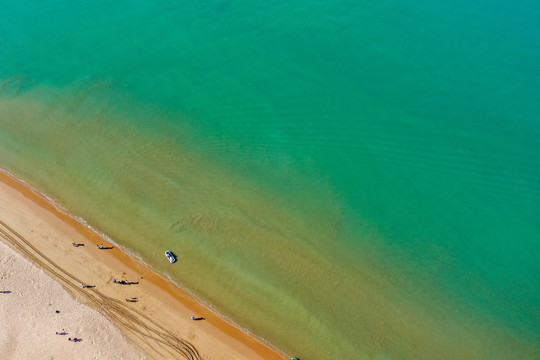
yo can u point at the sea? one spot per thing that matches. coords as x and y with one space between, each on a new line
343 179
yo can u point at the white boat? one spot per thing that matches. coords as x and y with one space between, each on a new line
170 256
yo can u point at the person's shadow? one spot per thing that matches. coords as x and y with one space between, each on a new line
5 292
124 282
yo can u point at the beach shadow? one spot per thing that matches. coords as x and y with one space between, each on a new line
132 300
198 318
124 282
101 247
87 286
5 292
77 245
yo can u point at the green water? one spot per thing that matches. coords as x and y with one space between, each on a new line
346 180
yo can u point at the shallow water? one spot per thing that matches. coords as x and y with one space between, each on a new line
350 180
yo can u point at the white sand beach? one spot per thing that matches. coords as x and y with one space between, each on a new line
34 307
41 272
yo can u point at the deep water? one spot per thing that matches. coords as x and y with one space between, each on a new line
350 180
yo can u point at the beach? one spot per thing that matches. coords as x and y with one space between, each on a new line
343 180
54 273
39 317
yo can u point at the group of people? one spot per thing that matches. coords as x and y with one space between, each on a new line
124 282
63 332
100 246
121 282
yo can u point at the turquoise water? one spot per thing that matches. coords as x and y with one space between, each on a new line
343 179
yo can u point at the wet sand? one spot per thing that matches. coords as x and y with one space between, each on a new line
157 318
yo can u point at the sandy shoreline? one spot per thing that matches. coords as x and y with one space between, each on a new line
158 322
34 308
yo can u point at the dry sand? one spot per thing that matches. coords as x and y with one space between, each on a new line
157 325
28 308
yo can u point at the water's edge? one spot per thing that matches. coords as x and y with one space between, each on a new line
131 254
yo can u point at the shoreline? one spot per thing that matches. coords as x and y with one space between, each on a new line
216 336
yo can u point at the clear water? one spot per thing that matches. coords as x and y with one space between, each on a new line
349 179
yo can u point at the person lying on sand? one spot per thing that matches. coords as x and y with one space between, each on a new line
124 282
